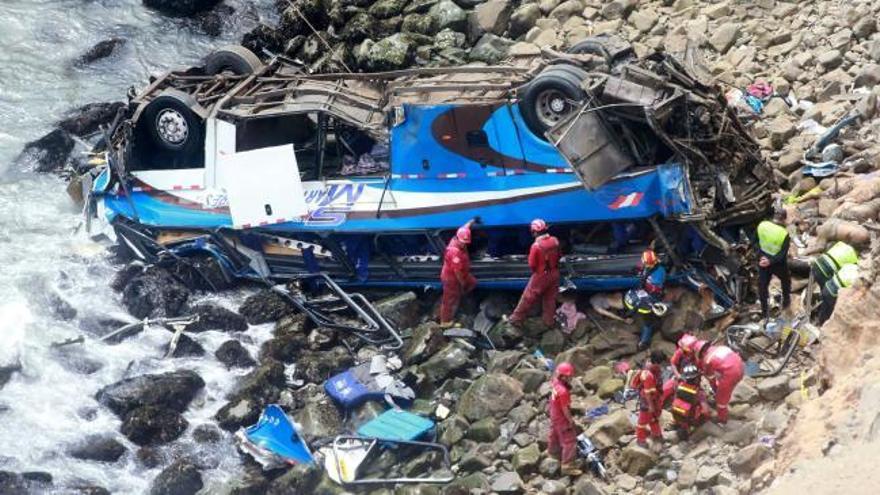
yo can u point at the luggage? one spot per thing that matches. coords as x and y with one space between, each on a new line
396 424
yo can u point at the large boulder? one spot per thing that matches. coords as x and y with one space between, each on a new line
448 15
580 357
234 355
101 448
490 17
50 153
453 357
301 478
526 460
89 118
182 477
180 8
213 317
749 458
100 50
383 9
490 49
154 293
426 340
173 391
264 307
490 395
401 310
636 460
523 18
774 388
607 430
151 425
391 53
319 419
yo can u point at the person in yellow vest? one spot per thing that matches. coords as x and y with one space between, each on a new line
829 263
845 277
773 242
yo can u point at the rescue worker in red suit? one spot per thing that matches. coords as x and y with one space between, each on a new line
543 285
456 273
685 353
724 368
647 382
562 443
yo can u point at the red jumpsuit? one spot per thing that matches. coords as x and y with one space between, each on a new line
646 381
456 278
724 369
544 282
563 437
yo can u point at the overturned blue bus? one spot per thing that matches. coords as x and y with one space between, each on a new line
275 172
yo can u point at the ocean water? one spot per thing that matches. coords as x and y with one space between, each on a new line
50 404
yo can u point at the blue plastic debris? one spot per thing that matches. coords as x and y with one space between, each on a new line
274 440
396 424
597 412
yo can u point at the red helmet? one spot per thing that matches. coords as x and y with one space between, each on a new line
565 369
463 234
686 342
649 258
538 226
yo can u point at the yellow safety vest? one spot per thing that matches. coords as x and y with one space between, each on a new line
843 254
771 237
845 277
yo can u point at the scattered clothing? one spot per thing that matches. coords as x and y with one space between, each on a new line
377 160
570 316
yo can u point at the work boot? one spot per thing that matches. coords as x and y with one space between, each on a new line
657 445
447 324
570 470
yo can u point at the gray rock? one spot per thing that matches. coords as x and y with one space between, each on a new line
707 475
234 355
484 430
504 361
586 486
523 18
744 393
99 448
687 474
427 338
151 425
531 378
447 14
619 9
609 387
213 317
594 376
182 8
724 37
874 51
393 52
526 460
607 430
173 391
830 59
301 478
567 9
747 459
580 357
264 307
773 388
453 357
423 24
522 413
553 487
490 17
448 38
474 461
319 419
453 430
180 478
154 293
549 467
384 9
865 27
637 460
869 76
490 49
100 50
508 482
490 395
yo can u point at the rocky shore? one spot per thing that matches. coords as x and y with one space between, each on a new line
822 61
